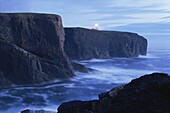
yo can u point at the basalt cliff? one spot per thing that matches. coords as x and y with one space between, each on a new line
84 43
32 49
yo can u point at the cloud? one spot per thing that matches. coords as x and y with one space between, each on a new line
146 28
108 13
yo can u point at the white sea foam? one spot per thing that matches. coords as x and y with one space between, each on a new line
48 108
148 56
120 71
94 60
41 87
110 72
72 85
16 109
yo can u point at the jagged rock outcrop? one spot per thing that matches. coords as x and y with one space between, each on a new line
32 48
147 94
87 44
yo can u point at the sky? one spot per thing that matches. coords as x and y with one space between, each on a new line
143 16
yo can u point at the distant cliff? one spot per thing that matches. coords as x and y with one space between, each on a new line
31 49
86 44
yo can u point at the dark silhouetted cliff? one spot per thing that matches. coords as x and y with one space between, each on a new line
31 49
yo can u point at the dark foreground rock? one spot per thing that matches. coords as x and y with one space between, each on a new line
147 94
87 44
37 111
32 49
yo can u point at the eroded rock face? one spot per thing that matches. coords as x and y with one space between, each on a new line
87 44
147 94
31 48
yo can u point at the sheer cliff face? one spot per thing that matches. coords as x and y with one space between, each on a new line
31 48
86 44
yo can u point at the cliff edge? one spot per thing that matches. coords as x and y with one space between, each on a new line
84 43
32 49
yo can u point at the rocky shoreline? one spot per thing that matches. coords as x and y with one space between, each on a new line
147 94
35 48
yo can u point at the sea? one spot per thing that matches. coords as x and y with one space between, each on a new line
86 86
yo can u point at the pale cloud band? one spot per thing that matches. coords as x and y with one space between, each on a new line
108 13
